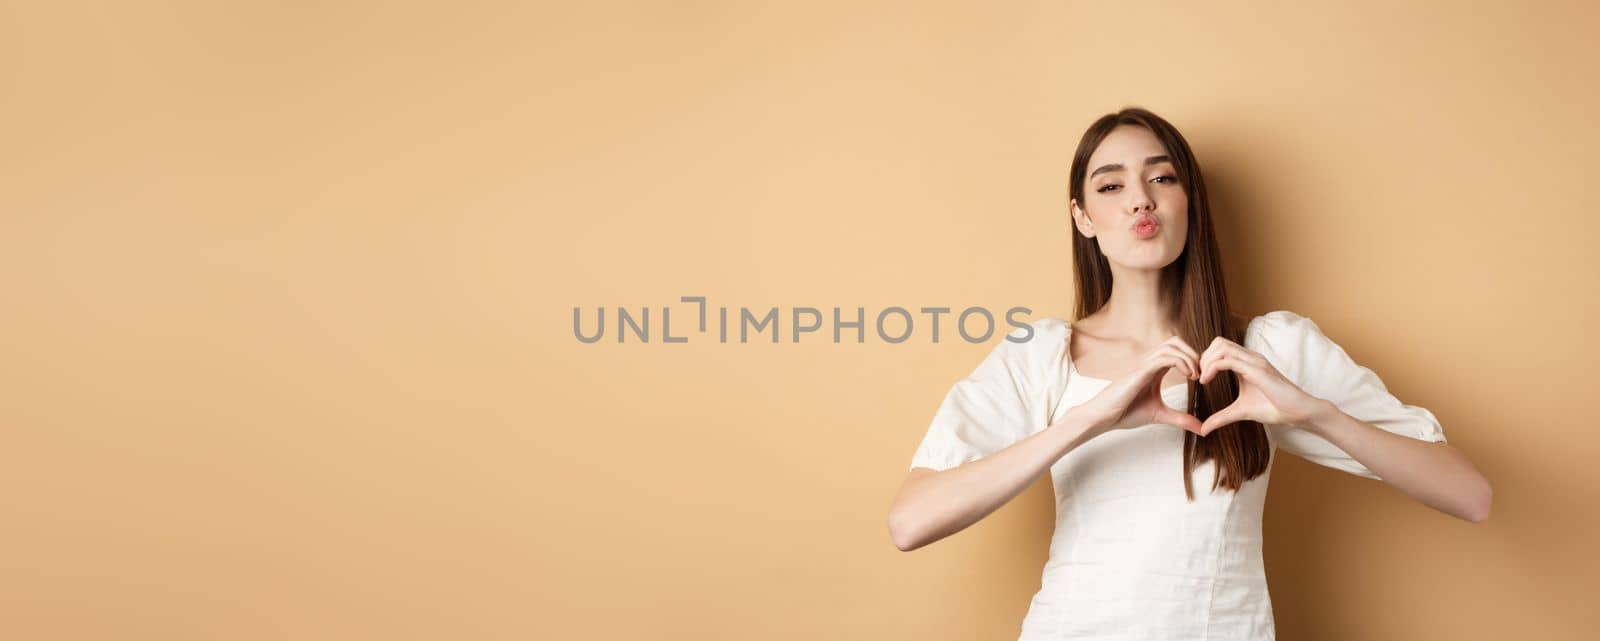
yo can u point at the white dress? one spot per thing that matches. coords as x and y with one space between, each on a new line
1131 557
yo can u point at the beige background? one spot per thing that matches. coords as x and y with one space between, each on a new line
287 347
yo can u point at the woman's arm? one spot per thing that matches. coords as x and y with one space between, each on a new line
1326 407
934 504
1435 474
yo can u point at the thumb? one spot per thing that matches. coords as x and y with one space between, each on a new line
1182 420
1222 418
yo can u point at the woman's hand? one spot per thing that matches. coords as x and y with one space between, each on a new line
1265 395
1135 399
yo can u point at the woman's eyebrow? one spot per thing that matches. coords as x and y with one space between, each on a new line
1118 166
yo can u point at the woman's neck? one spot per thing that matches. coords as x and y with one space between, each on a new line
1136 309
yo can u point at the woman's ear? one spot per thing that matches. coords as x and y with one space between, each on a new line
1081 219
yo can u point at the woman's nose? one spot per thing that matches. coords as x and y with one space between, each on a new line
1139 200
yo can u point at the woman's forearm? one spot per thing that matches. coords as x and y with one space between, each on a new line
1435 474
932 505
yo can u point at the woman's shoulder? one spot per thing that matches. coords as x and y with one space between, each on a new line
1040 333
1275 323
1285 338
1050 325
1038 342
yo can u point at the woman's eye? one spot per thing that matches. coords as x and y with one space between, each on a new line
1168 178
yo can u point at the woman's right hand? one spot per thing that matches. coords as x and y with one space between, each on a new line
1134 400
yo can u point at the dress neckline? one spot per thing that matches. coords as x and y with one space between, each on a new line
1072 367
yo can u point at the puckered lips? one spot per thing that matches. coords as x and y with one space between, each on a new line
1145 226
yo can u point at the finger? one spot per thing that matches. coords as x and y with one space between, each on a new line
1222 418
1160 361
1181 420
1178 342
1191 367
1212 353
1217 364
1218 347
1179 363
1246 370
1241 353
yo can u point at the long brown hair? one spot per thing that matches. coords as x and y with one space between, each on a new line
1193 288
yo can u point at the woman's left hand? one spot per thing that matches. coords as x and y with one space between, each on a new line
1265 395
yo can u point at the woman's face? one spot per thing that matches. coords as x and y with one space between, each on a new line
1132 203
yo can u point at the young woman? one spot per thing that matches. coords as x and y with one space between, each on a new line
1156 412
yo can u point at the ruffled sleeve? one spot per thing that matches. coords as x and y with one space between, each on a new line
1297 347
1007 398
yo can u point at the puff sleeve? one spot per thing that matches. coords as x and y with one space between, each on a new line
1303 353
1008 397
